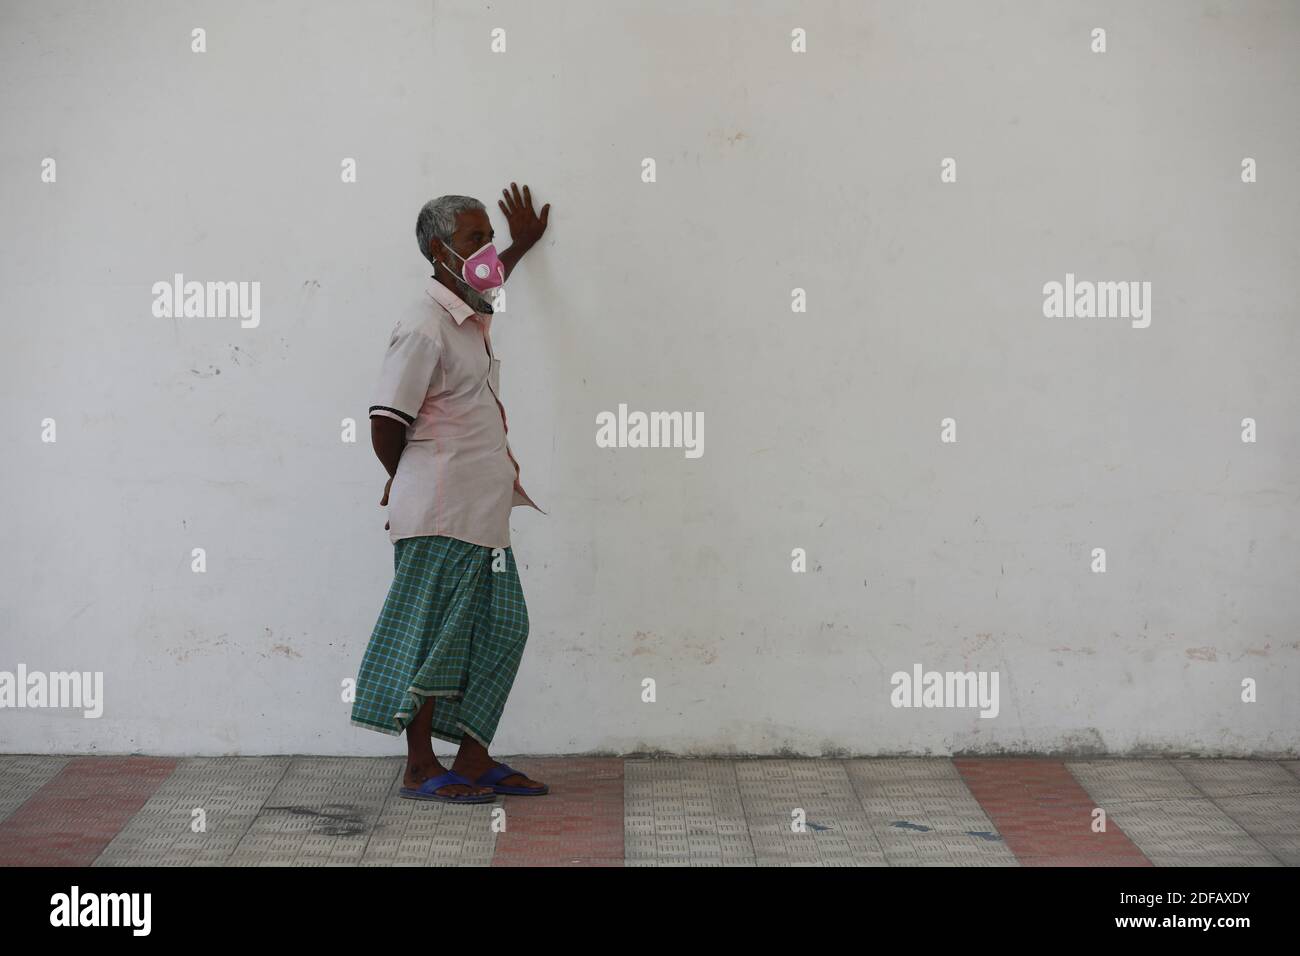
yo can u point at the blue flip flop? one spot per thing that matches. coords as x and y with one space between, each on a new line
500 772
426 790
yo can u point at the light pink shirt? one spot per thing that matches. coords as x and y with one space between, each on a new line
457 475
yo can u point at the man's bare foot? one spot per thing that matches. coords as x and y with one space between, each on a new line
472 771
417 773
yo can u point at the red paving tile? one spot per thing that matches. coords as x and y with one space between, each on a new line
70 820
579 823
1044 815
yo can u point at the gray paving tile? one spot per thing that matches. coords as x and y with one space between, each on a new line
230 792
683 813
1166 814
426 832
836 829
319 811
922 814
1262 797
1234 778
346 811
21 775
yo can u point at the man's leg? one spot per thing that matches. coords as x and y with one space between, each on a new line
500 633
421 764
472 761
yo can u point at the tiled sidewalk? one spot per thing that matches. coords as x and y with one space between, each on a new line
331 811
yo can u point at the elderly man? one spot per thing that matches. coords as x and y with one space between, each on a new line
444 653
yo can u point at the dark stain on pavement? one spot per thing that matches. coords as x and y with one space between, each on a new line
331 819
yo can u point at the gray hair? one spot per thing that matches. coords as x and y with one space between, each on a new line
437 220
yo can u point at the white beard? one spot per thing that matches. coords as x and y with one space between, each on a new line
471 295
482 297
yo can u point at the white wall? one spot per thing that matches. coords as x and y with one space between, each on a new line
775 171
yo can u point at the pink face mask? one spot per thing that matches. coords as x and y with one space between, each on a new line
483 270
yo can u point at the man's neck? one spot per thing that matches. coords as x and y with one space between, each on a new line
470 296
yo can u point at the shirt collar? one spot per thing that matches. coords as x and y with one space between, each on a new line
450 301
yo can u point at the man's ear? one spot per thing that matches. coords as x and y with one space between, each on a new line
438 254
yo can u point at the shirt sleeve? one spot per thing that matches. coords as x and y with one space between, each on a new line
406 375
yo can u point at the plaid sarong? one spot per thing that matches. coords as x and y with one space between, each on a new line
451 628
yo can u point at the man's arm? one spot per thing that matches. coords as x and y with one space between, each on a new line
510 258
526 226
404 381
388 436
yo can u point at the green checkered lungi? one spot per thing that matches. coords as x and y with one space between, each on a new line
451 628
